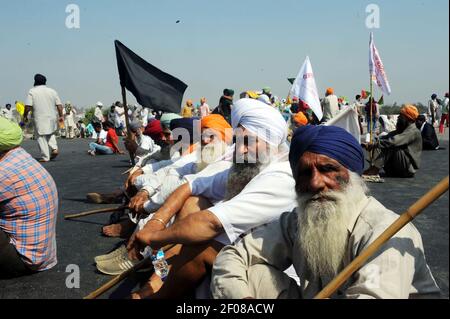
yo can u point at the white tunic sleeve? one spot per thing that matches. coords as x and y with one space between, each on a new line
263 200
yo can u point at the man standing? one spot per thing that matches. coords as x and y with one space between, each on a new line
69 121
204 108
330 105
47 108
187 109
225 103
98 115
372 115
358 106
433 106
444 117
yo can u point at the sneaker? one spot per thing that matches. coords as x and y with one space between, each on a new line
118 265
117 252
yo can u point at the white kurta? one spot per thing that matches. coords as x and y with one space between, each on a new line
397 270
69 119
43 101
265 197
98 114
330 107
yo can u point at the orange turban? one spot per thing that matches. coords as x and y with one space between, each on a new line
218 123
330 91
300 119
410 112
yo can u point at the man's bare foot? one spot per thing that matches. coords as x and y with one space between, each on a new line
123 229
149 288
372 171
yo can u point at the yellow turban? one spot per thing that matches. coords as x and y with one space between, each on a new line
252 95
10 134
410 112
218 123
300 118
20 107
330 91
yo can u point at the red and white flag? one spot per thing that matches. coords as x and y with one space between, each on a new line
305 89
376 68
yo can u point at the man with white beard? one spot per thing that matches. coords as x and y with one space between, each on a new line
214 156
215 211
334 222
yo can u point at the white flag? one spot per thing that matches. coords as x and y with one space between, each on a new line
305 89
376 68
348 120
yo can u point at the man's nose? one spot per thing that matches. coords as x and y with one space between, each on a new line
316 182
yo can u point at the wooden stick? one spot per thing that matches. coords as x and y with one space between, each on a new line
96 211
403 220
127 171
95 294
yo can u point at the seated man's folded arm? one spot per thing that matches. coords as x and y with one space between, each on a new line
267 245
174 203
196 228
397 140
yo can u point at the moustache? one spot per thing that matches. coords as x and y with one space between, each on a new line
319 197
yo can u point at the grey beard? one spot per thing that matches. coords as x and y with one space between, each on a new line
322 226
210 153
240 175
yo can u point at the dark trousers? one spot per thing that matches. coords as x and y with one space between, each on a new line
11 265
395 162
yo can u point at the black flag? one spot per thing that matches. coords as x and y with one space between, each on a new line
150 86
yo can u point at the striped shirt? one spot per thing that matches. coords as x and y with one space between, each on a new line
28 208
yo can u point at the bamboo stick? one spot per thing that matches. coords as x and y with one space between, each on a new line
96 211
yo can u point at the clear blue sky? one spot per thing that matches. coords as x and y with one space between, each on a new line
238 44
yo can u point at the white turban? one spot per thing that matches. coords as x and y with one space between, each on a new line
260 119
265 99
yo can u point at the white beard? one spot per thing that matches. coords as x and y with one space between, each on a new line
211 153
322 226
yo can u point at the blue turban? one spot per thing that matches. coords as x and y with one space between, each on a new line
187 124
330 141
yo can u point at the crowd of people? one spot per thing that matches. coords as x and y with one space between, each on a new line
256 198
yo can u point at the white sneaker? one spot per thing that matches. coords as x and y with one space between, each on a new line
116 265
117 252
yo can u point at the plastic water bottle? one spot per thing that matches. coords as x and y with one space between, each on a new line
160 265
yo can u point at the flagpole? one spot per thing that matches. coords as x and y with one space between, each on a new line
371 99
127 121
